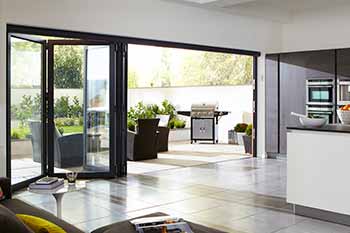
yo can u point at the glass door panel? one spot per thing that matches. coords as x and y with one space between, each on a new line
26 78
97 108
81 74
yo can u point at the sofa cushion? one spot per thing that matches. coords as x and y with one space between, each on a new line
127 227
20 207
10 223
39 225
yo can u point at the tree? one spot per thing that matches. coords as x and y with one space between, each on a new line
68 66
164 76
191 73
132 78
217 69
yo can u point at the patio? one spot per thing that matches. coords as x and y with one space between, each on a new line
180 154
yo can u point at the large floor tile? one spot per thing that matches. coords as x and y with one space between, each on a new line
238 196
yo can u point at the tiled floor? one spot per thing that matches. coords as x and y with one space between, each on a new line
184 154
246 195
180 154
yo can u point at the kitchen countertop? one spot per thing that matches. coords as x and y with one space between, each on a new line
336 128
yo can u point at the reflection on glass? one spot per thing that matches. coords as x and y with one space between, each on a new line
81 108
26 127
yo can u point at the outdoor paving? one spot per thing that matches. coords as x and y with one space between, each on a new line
241 195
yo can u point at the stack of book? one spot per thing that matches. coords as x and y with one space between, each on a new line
47 183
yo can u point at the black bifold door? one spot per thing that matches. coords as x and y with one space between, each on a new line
65 114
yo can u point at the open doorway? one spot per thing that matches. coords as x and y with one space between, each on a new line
204 101
100 111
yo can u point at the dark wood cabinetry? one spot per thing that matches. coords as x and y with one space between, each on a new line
271 105
288 73
343 64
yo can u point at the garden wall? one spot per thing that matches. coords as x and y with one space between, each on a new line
236 99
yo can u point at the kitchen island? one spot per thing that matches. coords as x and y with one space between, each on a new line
318 172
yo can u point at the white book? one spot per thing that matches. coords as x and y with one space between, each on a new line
46 180
54 185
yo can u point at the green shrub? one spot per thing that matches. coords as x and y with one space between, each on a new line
20 133
28 108
62 108
76 109
81 121
15 135
143 111
168 109
131 125
171 123
179 124
61 130
60 122
249 130
240 127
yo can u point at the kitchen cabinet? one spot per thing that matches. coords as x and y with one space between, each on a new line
293 71
271 105
292 93
343 64
343 74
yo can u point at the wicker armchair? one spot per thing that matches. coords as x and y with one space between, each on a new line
143 144
68 149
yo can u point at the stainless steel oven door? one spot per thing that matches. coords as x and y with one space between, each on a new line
320 94
343 92
325 112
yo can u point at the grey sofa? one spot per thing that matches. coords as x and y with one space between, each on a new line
143 144
19 207
68 149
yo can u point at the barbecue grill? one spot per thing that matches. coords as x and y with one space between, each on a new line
203 124
203 110
204 121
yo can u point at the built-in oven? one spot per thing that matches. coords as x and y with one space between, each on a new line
321 111
319 92
343 92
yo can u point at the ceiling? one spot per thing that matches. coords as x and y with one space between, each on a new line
276 10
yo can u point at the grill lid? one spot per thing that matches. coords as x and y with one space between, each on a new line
203 110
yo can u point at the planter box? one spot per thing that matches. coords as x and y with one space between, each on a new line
21 147
232 137
180 134
235 138
248 144
239 138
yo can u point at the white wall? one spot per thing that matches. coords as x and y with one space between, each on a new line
2 90
151 19
321 29
235 99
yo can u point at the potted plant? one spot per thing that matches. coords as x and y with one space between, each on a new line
239 131
247 139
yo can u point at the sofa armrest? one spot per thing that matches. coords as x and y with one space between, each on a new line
5 184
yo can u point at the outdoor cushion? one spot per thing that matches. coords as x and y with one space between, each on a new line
10 223
39 225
